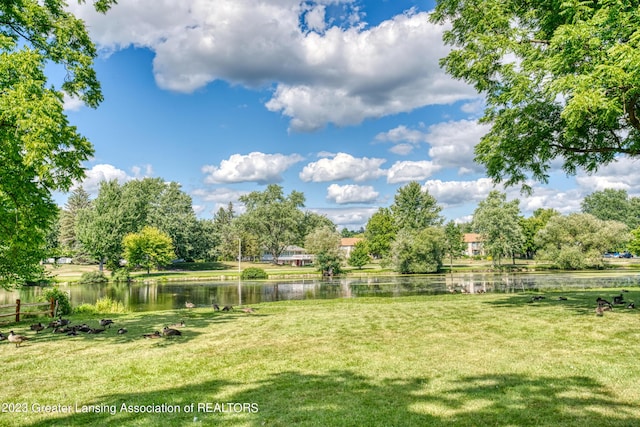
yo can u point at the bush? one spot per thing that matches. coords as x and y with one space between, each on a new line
122 275
64 305
102 306
253 273
93 277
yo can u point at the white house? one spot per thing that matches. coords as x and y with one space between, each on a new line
292 255
473 242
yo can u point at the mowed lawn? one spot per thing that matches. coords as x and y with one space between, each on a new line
467 360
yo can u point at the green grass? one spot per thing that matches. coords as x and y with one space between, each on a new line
467 360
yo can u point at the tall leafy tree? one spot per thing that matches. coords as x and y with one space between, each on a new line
414 208
453 241
531 226
40 151
579 240
418 251
612 205
497 221
359 256
149 248
560 79
380 232
273 217
324 243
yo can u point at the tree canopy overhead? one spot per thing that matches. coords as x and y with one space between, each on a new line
561 81
40 151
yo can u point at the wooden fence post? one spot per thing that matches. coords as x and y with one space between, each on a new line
17 310
51 306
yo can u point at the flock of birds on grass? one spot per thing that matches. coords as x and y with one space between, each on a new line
62 326
602 304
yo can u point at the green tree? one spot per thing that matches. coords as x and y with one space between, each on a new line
148 248
497 221
273 218
40 152
78 200
415 209
634 243
579 240
324 243
560 80
380 232
311 222
418 252
359 256
453 241
612 205
530 227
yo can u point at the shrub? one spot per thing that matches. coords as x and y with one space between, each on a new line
122 275
93 277
64 305
103 306
253 273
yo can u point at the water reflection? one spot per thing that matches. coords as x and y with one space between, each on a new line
171 295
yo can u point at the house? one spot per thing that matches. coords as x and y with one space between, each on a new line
347 244
473 244
292 255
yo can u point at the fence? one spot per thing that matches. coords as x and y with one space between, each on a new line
51 311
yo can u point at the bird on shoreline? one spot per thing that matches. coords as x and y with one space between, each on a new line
155 334
168 332
122 331
17 339
178 325
106 322
37 327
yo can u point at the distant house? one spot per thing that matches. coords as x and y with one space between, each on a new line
347 244
473 244
292 255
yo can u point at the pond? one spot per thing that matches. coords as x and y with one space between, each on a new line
170 295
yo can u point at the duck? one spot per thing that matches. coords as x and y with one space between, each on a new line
106 322
168 332
155 334
122 331
189 305
37 327
17 339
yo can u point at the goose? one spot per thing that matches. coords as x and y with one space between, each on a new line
106 322
156 334
168 332
631 305
603 302
178 325
84 328
17 339
227 308
96 330
2 336
248 310
122 331
37 327
216 307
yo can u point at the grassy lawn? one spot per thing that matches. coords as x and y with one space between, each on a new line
468 360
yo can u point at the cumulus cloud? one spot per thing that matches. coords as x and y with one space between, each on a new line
351 218
619 175
324 71
343 166
411 171
107 172
71 103
457 193
344 194
405 140
452 144
254 167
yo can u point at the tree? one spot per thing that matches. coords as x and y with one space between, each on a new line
310 222
418 252
78 200
415 209
148 248
560 80
380 232
612 205
359 256
453 241
530 227
324 243
40 152
579 240
634 243
497 222
273 218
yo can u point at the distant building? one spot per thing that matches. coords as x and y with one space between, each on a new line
473 242
292 255
347 244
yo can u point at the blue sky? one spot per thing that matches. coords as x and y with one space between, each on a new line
342 100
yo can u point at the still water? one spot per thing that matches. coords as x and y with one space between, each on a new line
170 295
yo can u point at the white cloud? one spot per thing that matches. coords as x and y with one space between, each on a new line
405 140
253 167
411 171
457 193
351 218
329 72
343 166
71 103
218 195
619 175
102 172
452 144
344 194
